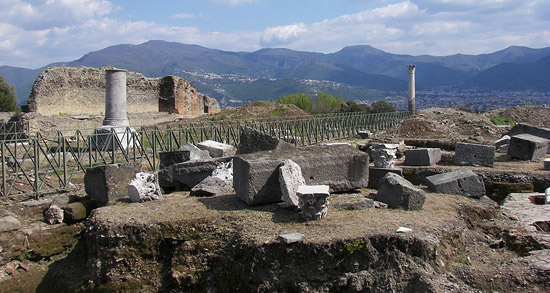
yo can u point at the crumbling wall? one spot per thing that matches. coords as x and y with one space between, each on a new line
63 90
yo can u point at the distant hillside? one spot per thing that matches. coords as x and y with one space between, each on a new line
514 77
356 71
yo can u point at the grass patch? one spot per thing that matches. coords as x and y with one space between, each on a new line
501 120
279 111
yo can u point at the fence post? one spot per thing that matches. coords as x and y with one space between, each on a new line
4 171
36 147
64 145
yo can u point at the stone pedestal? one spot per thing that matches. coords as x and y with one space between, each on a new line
313 201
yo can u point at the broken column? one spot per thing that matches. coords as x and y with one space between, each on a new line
144 187
412 89
115 113
313 201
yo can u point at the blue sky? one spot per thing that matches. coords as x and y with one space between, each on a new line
34 33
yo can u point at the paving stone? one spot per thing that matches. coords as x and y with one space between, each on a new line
422 157
527 147
256 175
469 154
463 182
104 184
399 193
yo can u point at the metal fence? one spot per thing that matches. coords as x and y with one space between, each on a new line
50 162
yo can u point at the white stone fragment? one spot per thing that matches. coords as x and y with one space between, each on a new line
383 155
403 230
313 201
54 215
291 237
217 149
224 171
144 187
290 178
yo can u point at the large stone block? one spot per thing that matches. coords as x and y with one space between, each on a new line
375 174
217 149
527 147
184 176
422 157
532 130
469 154
398 193
463 181
173 157
252 140
107 183
256 175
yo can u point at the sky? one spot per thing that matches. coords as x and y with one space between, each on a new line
34 33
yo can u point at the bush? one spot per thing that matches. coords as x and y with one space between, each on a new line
501 120
300 100
382 107
7 97
326 103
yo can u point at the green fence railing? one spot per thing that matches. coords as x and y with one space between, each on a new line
49 162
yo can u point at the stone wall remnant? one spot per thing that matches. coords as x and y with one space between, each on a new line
61 90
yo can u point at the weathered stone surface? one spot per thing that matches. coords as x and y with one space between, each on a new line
144 187
375 174
105 184
195 153
422 157
252 140
384 154
313 201
527 147
291 238
212 186
290 177
399 193
463 181
469 154
173 157
78 211
256 175
53 215
355 204
186 175
107 137
81 91
9 223
501 144
217 149
521 128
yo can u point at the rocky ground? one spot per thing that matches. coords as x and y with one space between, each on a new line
194 244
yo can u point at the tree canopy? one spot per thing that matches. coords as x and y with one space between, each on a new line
327 103
300 100
7 97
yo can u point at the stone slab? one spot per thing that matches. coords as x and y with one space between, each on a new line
422 157
212 186
256 175
173 157
463 182
399 193
195 153
375 174
291 238
217 149
527 147
184 176
290 177
252 140
104 184
470 154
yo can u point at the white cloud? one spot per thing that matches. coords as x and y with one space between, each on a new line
184 15
275 36
235 2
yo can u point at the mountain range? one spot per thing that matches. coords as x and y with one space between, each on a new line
355 72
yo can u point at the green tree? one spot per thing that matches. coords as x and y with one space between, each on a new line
382 107
326 103
300 100
7 97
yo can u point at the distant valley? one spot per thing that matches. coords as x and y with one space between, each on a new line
360 73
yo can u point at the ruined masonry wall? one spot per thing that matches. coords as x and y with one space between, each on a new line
63 90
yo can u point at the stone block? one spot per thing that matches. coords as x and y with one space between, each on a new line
527 147
78 211
256 175
195 153
422 157
291 238
313 201
173 157
463 182
105 184
217 149
469 154
355 204
399 193
290 177
184 176
252 140
529 129
375 174
212 186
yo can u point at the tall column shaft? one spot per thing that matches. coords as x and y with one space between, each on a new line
115 98
412 89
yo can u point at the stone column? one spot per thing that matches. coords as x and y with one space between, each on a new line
412 89
115 98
